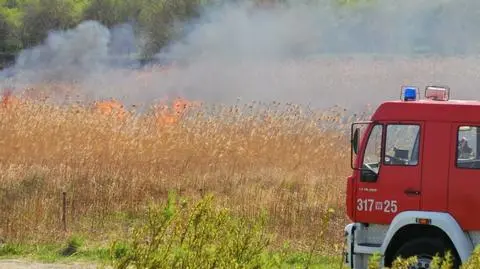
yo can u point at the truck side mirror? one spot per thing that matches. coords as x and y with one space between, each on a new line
356 135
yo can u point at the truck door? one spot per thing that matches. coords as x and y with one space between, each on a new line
464 176
390 179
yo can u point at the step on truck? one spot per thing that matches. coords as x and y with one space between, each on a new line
415 185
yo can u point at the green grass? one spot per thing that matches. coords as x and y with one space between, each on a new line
52 253
94 253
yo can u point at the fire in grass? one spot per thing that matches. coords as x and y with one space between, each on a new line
9 100
169 114
164 113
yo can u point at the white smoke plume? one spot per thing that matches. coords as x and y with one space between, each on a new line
308 52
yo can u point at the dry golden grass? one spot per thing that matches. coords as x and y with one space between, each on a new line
253 157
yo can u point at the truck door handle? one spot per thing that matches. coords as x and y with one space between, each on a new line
411 192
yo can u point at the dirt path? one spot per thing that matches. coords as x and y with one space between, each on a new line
19 264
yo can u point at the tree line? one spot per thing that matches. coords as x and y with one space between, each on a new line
26 23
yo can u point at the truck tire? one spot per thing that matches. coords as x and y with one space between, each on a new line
425 248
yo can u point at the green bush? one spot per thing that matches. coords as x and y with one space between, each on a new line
197 236
438 263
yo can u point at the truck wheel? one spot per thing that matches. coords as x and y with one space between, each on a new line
425 249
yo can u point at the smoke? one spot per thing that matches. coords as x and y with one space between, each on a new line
70 55
308 52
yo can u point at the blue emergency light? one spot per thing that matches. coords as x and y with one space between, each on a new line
410 93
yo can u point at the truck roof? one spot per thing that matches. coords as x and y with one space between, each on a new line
429 110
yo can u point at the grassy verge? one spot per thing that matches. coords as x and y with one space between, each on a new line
101 256
181 234
52 253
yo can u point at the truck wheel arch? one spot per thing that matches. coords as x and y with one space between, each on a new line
405 225
411 232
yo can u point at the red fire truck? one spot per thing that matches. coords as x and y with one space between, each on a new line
415 187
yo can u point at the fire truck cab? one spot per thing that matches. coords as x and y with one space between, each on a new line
415 186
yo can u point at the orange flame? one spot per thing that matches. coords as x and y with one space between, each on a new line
9 100
166 115
111 107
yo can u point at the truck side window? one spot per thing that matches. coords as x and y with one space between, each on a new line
373 150
467 156
401 146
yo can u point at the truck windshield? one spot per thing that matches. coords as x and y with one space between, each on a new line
401 146
373 151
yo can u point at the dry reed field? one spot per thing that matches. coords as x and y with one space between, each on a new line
112 161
